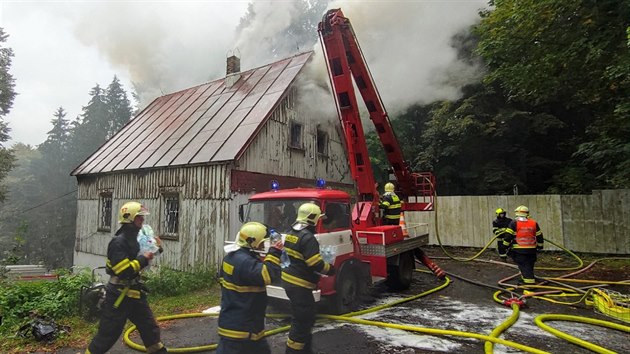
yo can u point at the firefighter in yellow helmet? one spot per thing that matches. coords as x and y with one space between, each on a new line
243 294
499 228
302 276
391 205
522 241
125 296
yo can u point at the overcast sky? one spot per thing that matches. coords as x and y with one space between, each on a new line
64 48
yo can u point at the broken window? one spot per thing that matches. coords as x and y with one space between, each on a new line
322 142
296 136
170 215
105 211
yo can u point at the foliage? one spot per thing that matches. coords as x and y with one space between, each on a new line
169 282
54 299
7 94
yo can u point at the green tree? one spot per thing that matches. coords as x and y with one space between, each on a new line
119 107
569 59
90 130
7 94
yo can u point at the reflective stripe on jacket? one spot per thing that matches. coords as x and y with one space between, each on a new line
306 261
392 205
243 293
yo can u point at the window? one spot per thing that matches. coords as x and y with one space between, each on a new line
296 136
105 211
322 142
170 215
337 216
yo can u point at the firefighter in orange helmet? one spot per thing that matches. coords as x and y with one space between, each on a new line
522 241
125 296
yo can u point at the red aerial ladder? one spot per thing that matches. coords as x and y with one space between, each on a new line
365 251
345 62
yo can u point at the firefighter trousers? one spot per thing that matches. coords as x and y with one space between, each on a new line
228 346
303 310
113 322
525 263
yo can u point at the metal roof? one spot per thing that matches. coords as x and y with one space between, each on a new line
193 126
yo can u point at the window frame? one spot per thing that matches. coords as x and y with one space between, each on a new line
105 201
166 230
296 141
321 136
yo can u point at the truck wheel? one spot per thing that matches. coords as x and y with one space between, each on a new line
348 291
399 276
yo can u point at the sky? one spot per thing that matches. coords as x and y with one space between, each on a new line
64 48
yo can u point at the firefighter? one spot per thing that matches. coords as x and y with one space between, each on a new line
522 240
243 293
391 205
499 228
125 296
302 275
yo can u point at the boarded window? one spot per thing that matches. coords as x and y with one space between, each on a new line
105 211
296 136
322 142
170 216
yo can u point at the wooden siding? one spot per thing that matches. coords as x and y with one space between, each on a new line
205 201
270 152
597 223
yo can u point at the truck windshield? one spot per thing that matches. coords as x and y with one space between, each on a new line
278 214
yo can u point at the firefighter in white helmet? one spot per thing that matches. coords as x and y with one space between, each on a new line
302 276
391 205
243 294
523 239
125 296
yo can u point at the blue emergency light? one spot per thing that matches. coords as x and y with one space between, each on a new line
320 184
275 185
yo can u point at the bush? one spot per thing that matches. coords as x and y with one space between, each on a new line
169 282
54 299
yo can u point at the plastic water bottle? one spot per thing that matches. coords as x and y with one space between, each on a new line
274 237
328 253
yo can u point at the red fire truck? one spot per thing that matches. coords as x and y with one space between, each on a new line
365 250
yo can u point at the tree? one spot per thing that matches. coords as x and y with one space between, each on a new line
570 59
90 130
7 94
118 106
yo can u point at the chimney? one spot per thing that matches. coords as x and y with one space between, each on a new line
233 70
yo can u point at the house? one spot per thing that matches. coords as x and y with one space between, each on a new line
193 156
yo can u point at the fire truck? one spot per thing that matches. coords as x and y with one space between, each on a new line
365 251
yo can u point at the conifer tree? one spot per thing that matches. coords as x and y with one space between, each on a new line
7 94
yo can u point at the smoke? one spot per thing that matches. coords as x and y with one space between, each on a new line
168 46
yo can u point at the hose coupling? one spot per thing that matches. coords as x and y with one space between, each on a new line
514 300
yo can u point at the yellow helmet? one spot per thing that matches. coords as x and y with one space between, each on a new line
521 210
500 211
308 213
252 234
129 211
389 187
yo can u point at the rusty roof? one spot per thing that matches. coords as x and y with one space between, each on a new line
193 126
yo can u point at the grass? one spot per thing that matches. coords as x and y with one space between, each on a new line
82 331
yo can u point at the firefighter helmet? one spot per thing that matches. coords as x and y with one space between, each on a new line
252 234
308 213
129 211
521 210
389 187
500 211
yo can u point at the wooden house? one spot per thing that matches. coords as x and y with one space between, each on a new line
193 156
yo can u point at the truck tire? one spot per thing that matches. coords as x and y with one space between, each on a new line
349 288
399 276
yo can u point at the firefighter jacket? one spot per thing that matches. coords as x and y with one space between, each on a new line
523 236
243 294
499 227
123 261
392 205
306 261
